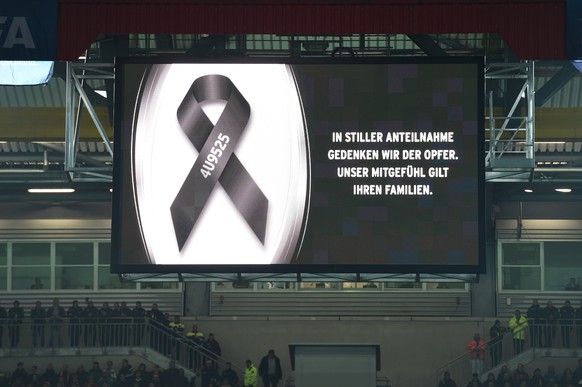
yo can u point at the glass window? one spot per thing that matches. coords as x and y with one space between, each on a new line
104 253
159 285
24 277
3 253
74 253
106 280
521 278
562 261
402 285
361 285
276 285
521 254
74 277
446 285
320 285
3 279
31 253
230 285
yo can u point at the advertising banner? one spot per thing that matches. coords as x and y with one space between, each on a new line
28 30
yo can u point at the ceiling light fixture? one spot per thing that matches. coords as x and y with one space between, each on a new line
528 190
51 190
564 190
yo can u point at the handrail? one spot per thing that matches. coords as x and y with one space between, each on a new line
464 354
107 332
381 381
563 334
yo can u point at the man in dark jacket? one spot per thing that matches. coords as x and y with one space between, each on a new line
138 314
74 314
15 316
567 314
270 369
550 320
55 315
534 316
37 316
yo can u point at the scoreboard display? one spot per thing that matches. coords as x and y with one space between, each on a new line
322 166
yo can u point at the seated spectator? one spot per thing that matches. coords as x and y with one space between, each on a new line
139 380
155 375
504 369
66 375
169 376
145 375
107 378
109 368
567 377
4 379
91 382
474 382
551 376
572 285
578 372
520 374
229 375
81 375
447 381
181 380
491 378
209 373
49 375
196 380
125 374
537 380
19 375
95 373
504 378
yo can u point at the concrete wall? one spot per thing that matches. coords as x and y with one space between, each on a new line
411 348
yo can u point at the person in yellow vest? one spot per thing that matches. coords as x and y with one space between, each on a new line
177 329
517 326
197 339
195 335
251 375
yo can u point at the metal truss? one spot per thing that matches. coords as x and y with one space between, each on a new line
298 277
510 134
77 101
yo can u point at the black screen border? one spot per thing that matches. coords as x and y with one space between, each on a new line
118 168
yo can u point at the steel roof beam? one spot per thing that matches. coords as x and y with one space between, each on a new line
428 45
554 84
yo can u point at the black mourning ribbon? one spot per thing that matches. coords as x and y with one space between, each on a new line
228 171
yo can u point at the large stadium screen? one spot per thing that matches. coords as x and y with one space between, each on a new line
315 166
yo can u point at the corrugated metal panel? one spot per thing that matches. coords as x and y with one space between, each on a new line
539 229
41 146
50 95
340 304
508 302
569 96
55 229
518 21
